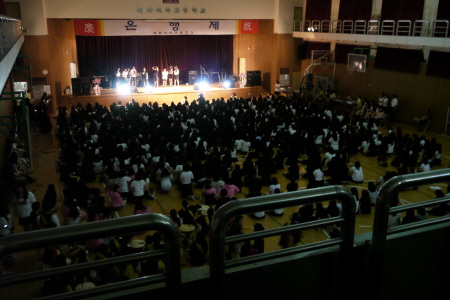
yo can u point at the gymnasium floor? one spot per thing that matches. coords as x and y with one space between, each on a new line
45 153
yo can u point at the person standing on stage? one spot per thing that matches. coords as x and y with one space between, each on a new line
171 76
145 76
155 76
118 75
165 75
133 73
125 75
176 76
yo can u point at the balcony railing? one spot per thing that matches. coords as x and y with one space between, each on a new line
10 31
439 28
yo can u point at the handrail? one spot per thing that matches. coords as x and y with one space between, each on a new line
263 203
373 27
360 27
11 31
306 25
418 27
347 26
403 26
87 231
388 191
316 25
388 26
439 29
382 210
325 26
336 26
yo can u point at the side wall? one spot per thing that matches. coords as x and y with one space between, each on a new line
267 52
416 92
53 52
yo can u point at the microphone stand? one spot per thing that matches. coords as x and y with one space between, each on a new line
202 70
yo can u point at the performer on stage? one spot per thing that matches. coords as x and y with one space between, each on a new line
125 75
165 75
145 77
155 76
133 76
171 76
176 76
118 75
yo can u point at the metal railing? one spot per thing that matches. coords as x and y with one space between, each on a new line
336 26
347 26
388 27
88 231
306 25
373 27
440 28
382 210
360 27
387 192
325 26
403 27
420 27
218 240
10 32
316 25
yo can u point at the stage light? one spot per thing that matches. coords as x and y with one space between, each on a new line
148 89
124 89
203 85
226 84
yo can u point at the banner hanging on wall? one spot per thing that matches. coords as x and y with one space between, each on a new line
165 27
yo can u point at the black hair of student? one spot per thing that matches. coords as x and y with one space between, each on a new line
258 227
371 186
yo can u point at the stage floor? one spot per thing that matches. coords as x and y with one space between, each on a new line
162 95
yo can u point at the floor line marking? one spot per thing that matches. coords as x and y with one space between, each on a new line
326 233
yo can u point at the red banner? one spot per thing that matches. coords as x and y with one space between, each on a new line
88 27
248 26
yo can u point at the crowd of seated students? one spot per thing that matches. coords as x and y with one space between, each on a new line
129 146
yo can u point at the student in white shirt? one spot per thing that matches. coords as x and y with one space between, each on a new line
357 173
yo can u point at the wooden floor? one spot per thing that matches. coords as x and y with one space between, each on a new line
45 153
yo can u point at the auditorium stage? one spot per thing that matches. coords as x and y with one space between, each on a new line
161 95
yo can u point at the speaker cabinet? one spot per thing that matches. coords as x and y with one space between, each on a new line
250 75
257 78
301 52
76 87
85 86
253 78
192 77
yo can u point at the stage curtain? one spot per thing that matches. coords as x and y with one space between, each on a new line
2 7
401 60
318 10
310 46
443 12
355 10
342 50
103 55
439 64
402 10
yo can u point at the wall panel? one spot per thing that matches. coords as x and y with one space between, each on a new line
267 52
53 52
416 92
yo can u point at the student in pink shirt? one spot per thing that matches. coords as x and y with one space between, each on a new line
117 202
230 188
